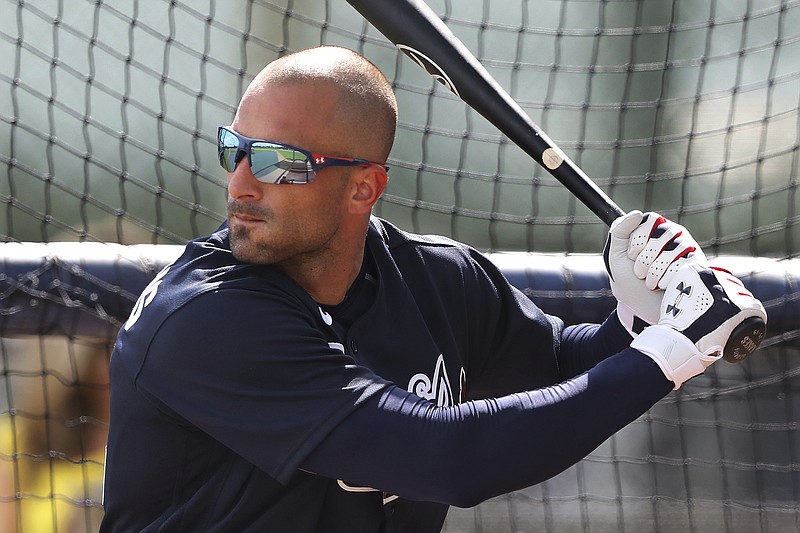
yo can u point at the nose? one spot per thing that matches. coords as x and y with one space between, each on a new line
242 184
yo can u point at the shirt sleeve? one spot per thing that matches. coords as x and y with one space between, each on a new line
585 345
256 376
519 347
476 450
514 346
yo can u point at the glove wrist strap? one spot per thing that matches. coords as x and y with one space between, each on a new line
676 355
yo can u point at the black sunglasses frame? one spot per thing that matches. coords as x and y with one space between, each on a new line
316 161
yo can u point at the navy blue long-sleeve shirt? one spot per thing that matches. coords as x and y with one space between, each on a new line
239 403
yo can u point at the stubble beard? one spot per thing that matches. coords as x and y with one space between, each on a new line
269 242
243 247
246 243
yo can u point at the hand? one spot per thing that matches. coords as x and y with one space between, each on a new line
700 309
642 253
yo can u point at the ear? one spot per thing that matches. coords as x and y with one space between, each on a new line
368 185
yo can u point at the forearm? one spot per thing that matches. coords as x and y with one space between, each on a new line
585 345
465 454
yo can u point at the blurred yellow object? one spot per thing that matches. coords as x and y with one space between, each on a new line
47 492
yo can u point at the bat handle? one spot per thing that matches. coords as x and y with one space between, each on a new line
609 213
744 340
573 178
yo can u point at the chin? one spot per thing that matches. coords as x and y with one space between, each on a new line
244 249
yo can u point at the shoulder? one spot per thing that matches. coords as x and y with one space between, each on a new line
443 261
399 242
193 289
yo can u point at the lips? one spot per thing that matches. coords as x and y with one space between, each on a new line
240 217
246 214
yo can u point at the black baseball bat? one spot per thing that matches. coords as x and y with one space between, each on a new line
416 30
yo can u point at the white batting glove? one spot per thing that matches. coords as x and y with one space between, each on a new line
642 253
700 309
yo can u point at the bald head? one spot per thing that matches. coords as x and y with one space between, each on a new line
364 118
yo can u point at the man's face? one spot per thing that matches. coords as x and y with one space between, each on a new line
278 223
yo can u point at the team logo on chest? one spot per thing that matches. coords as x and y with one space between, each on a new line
437 390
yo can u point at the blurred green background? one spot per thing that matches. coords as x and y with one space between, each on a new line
108 112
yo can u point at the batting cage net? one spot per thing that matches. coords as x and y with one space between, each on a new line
108 116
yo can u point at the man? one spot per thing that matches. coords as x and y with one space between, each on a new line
310 367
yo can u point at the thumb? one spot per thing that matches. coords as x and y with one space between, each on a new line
622 227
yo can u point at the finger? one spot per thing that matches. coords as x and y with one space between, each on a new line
660 279
662 240
639 237
678 250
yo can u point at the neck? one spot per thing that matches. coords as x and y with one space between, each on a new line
327 276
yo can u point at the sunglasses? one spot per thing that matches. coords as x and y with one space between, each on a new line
274 162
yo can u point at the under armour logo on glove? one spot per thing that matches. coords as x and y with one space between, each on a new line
705 312
683 290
